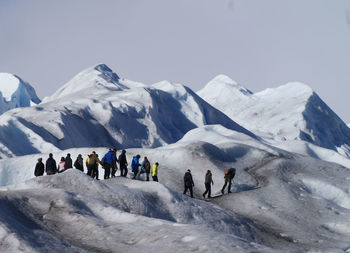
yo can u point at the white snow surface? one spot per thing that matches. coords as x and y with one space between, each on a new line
290 194
290 112
97 108
14 92
282 202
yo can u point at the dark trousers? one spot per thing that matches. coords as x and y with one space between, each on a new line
90 170
107 168
147 175
207 190
229 181
114 169
135 173
155 178
123 171
190 188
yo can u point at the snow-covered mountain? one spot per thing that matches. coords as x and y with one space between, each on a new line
282 202
14 92
97 108
290 112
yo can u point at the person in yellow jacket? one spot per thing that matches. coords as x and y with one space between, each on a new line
155 172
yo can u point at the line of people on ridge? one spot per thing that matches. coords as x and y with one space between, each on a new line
208 181
108 163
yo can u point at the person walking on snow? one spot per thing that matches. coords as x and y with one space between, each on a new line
39 168
114 164
108 161
51 167
79 163
135 165
188 181
207 182
155 172
123 164
62 165
69 161
92 165
229 175
146 167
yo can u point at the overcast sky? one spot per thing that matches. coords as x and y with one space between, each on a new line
260 44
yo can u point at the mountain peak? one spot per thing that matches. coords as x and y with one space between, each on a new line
291 89
95 78
14 92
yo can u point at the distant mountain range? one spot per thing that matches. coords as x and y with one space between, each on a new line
98 108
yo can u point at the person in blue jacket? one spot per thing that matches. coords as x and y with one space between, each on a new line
135 165
108 160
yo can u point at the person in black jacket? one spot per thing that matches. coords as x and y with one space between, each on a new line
39 168
229 175
188 181
69 161
79 163
51 167
123 164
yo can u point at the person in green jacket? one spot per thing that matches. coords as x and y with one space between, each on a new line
207 182
155 172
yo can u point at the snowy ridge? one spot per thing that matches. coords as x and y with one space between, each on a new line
14 93
95 109
289 112
272 210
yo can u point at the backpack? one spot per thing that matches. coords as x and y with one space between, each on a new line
147 166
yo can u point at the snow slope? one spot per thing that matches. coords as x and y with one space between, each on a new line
283 202
97 108
290 112
14 92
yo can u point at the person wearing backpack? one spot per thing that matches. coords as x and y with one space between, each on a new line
207 182
135 165
51 167
62 165
188 181
39 168
145 167
107 162
229 175
155 172
123 164
79 163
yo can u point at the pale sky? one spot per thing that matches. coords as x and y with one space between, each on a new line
258 43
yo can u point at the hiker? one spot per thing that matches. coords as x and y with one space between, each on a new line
92 162
114 164
79 163
146 167
229 175
69 161
39 168
51 167
155 172
107 162
188 181
207 182
135 165
95 171
123 164
62 165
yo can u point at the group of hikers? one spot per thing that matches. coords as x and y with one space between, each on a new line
109 164
208 181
